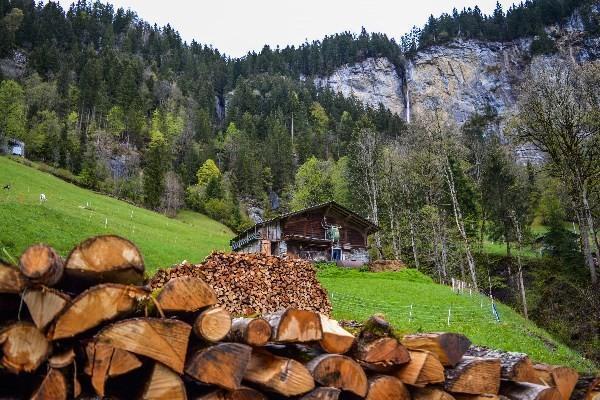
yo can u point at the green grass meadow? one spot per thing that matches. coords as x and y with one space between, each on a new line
357 295
72 214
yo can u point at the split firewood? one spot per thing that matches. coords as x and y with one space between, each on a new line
528 391
213 324
243 393
41 265
104 362
376 347
186 294
101 259
95 306
448 347
474 375
163 340
323 393
164 384
516 367
336 340
11 280
278 374
587 388
294 325
562 378
340 372
385 387
62 360
465 396
223 365
430 393
423 368
251 331
53 387
24 347
44 304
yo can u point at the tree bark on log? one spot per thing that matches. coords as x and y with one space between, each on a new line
278 374
385 387
255 332
95 306
323 393
528 391
185 294
163 340
223 365
164 384
44 304
296 326
104 259
516 367
448 347
336 340
41 265
53 387
423 368
24 347
340 372
474 375
376 347
213 324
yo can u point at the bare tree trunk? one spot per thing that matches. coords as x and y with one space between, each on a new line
412 239
394 231
459 221
592 231
521 283
585 242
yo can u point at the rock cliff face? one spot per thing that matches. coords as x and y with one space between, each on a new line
459 78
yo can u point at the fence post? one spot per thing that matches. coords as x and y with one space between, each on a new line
410 313
449 313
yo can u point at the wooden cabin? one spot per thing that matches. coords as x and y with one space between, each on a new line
325 232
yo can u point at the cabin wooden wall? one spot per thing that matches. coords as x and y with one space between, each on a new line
310 225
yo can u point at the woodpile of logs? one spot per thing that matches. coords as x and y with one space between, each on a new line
249 284
87 328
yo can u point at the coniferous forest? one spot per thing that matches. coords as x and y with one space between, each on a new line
117 105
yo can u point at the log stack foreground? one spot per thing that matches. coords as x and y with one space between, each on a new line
248 284
99 333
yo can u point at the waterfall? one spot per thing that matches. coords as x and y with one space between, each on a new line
407 104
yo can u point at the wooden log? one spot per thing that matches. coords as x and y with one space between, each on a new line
423 368
164 384
448 347
104 362
340 372
243 393
430 393
222 365
474 375
41 265
44 304
385 387
163 340
24 347
376 347
323 393
213 324
186 294
104 259
63 359
251 331
528 391
336 340
278 374
515 366
562 378
465 396
295 326
53 387
95 306
587 388
11 280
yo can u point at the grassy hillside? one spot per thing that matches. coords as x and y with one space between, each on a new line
72 214
357 295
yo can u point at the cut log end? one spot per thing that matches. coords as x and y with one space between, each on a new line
44 305
53 387
340 372
243 393
24 348
11 280
336 340
474 375
213 324
223 365
255 332
528 391
294 325
423 368
164 384
323 393
41 265
384 387
448 347
186 294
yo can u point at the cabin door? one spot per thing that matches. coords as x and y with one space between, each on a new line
336 254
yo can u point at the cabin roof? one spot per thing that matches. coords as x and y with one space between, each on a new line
353 218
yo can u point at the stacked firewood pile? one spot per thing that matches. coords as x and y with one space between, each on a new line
255 283
87 328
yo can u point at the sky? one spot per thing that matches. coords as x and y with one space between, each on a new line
238 26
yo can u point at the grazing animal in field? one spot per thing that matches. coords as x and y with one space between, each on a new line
43 198
6 187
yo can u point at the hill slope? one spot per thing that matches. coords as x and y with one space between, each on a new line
357 295
72 214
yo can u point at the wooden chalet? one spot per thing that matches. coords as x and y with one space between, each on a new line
325 232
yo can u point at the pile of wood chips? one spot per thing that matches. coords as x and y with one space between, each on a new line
248 284
88 328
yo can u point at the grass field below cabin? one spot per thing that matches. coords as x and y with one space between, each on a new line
72 214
